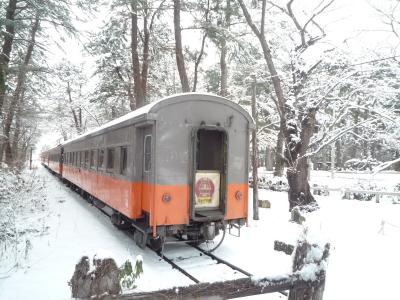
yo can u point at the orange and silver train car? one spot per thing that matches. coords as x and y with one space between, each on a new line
175 167
53 159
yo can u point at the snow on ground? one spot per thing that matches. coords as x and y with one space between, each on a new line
365 239
76 229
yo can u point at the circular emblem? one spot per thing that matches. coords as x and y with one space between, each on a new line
166 197
204 188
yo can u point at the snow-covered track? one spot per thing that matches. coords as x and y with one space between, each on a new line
175 266
222 261
200 265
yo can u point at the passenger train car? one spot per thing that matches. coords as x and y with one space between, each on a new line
175 167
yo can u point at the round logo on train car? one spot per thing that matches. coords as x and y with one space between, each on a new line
204 189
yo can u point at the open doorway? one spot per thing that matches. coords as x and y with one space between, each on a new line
210 174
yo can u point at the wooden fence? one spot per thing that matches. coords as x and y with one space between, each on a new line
346 192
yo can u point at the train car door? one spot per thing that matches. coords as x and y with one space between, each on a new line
147 155
145 166
210 173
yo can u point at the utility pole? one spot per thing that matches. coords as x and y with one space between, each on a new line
30 159
254 150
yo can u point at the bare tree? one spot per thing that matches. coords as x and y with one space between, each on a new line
297 133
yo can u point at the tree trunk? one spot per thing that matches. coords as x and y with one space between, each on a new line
279 159
197 62
224 52
146 50
180 61
137 81
18 90
76 117
6 49
299 190
224 71
17 130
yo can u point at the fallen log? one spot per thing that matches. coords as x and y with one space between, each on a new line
228 289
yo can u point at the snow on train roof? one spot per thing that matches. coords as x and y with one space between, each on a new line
144 110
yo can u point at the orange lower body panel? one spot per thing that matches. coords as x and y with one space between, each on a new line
165 204
55 166
237 206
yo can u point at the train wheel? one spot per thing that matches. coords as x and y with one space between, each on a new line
156 244
119 221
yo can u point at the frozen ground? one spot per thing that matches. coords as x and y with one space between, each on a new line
364 263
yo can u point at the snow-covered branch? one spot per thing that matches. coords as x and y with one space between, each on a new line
386 165
338 135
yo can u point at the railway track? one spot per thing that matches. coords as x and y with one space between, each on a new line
204 263
174 262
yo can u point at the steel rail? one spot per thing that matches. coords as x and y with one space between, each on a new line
175 266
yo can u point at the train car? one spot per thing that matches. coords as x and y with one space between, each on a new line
52 159
175 167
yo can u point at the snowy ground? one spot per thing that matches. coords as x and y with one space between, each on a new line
364 263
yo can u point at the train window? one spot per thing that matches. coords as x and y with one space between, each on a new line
100 159
92 153
147 153
123 160
81 159
110 159
86 165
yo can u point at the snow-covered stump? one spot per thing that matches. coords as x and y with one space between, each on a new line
103 280
309 264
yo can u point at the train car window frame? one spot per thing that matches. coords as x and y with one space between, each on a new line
110 160
100 159
123 160
86 159
147 153
81 159
92 159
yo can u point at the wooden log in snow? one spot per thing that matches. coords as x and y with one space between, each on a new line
228 289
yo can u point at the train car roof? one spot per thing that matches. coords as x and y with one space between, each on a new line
148 111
